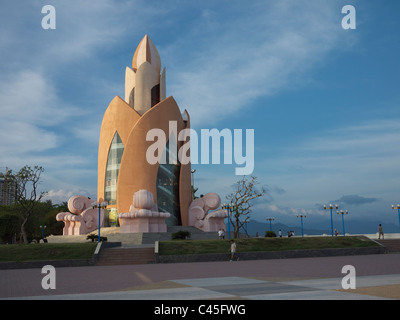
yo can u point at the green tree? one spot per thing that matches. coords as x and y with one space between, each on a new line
8 224
27 194
45 215
240 202
53 226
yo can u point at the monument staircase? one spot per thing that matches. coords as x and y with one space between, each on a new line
140 249
124 256
392 245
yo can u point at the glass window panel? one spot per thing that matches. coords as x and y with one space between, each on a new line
168 190
113 164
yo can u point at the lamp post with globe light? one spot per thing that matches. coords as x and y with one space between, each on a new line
228 207
331 207
43 227
192 172
398 211
341 212
301 217
270 220
99 205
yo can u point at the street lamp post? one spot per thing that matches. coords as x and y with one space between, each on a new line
99 205
343 213
43 227
301 218
398 211
331 207
192 172
270 220
228 207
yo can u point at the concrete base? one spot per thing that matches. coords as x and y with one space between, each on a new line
114 234
143 225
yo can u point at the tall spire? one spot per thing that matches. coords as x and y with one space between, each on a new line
146 51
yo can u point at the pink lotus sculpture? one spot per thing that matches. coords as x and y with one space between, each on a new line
199 216
143 215
82 218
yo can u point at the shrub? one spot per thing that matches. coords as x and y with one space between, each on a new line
91 237
270 234
95 237
181 235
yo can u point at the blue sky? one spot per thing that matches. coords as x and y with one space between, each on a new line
324 102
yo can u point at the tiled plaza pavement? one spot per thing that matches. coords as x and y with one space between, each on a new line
377 277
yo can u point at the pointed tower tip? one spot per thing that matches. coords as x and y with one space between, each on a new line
146 51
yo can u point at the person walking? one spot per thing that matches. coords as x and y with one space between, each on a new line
233 251
380 231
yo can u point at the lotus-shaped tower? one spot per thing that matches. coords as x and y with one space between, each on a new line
123 168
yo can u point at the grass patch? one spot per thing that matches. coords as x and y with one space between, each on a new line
46 251
179 247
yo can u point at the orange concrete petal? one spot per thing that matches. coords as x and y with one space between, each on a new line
135 172
120 117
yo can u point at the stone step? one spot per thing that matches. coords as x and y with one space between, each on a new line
125 256
393 245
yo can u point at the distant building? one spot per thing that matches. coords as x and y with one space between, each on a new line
8 191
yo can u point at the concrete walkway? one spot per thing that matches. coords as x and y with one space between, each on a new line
377 277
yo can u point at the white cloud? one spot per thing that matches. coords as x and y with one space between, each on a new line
252 55
35 123
366 148
282 210
380 136
61 195
361 159
20 138
28 105
82 27
28 96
